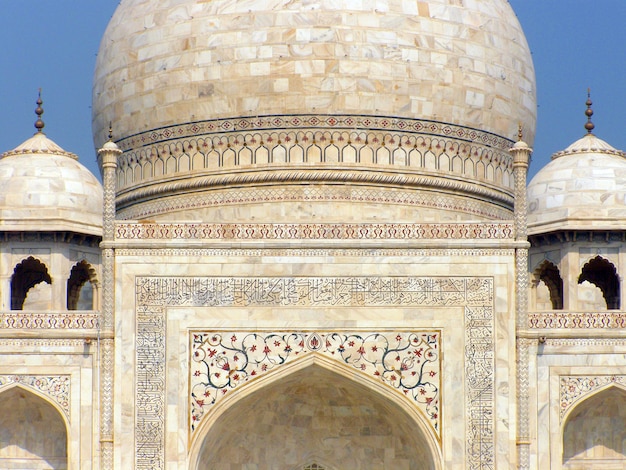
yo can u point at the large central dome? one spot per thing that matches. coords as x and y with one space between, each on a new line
173 69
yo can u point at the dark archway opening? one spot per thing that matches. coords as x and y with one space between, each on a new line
26 275
603 275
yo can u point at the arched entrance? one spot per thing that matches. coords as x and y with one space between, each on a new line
594 435
33 434
314 416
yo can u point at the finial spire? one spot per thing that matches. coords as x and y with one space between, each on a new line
110 131
589 112
520 134
39 125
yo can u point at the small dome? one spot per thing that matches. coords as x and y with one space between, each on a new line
582 188
45 188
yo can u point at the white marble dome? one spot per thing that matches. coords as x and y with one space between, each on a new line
168 62
45 188
582 188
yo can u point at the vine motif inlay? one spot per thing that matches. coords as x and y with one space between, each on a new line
408 362
55 387
573 388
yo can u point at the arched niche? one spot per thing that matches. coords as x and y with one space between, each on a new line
27 275
80 287
548 278
33 433
315 413
594 432
602 274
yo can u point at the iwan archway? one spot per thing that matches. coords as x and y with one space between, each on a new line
315 415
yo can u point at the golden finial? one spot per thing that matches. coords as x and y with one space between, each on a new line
520 134
110 131
39 125
589 112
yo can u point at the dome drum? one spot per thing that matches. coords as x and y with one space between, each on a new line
221 90
449 159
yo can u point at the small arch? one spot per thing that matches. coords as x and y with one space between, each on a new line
594 432
296 154
548 274
444 162
329 414
602 274
349 154
262 155
81 287
279 154
27 275
331 154
33 433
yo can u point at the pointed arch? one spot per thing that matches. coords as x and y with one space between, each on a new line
33 431
310 411
594 431
548 273
602 273
27 275
314 465
81 286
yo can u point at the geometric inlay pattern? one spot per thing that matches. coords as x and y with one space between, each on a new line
154 295
408 362
55 387
573 388
321 121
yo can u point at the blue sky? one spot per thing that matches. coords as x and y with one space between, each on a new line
576 44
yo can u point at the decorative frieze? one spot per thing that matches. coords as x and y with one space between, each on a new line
577 320
311 252
49 320
354 123
337 193
207 231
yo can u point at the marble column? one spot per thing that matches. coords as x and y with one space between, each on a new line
107 157
521 159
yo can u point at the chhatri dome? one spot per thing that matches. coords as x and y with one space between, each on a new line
411 95
45 188
582 188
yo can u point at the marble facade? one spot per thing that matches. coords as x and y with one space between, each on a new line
314 249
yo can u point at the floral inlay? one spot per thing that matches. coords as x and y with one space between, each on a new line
573 388
406 361
57 388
